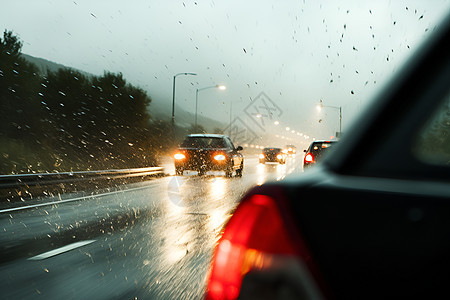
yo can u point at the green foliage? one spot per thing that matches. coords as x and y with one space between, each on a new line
18 90
10 44
68 121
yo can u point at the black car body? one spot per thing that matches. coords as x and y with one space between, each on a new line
316 152
372 221
272 155
207 152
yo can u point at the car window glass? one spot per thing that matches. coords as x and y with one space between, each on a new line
319 147
432 144
203 142
217 143
97 95
272 150
229 143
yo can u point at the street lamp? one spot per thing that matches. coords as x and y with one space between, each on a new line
320 106
173 96
217 86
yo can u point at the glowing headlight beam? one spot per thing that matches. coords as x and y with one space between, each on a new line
179 156
219 157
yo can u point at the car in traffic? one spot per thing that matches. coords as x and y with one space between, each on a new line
290 150
372 221
209 152
271 154
316 152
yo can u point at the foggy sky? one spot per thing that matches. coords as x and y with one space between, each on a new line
296 52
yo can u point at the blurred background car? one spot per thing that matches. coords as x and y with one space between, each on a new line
290 149
364 224
315 152
272 155
206 152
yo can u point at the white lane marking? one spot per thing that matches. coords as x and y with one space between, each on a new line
61 250
70 200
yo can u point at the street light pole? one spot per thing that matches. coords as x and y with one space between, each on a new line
220 87
173 96
231 112
320 105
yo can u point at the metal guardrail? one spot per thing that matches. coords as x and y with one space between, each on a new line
28 180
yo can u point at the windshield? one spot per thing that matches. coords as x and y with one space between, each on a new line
271 150
203 142
97 201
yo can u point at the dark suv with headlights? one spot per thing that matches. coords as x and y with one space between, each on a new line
290 150
272 155
208 152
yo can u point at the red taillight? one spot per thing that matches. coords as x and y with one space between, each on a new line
309 158
255 235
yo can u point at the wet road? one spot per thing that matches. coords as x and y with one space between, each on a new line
151 240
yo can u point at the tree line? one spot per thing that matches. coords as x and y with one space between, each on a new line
68 121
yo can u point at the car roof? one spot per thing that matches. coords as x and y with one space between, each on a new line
324 141
207 135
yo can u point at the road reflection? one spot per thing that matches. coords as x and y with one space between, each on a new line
260 174
162 252
269 172
217 187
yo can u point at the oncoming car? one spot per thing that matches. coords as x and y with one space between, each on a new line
272 155
208 152
315 152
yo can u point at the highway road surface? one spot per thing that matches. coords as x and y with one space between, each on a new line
148 240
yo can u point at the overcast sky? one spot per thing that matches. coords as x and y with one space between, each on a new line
296 52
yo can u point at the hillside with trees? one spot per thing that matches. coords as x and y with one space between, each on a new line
68 121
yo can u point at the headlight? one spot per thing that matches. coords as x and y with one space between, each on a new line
279 156
261 156
285 151
179 156
220 157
